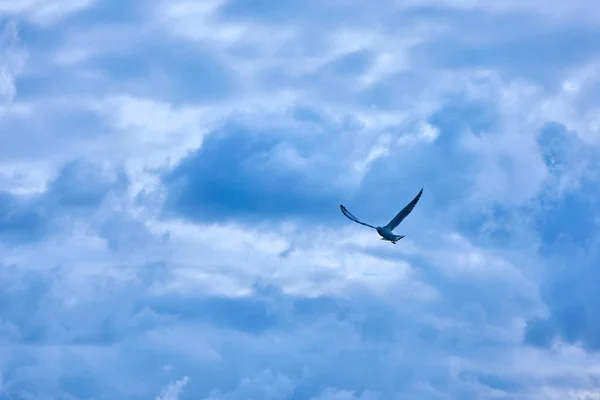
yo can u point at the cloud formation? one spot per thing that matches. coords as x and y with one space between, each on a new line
170 177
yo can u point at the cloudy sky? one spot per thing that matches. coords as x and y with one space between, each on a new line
170 181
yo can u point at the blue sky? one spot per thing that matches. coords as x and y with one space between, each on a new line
170 176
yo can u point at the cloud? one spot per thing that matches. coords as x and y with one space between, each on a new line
41 13
172 391
262 175
14 56
567 223
20 220
80 187
169 188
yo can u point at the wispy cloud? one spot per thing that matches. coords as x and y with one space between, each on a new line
41 12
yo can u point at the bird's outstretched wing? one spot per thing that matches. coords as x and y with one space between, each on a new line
353 218
404 212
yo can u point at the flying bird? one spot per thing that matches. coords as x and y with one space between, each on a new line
386 232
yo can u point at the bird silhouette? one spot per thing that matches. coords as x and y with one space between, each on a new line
386 232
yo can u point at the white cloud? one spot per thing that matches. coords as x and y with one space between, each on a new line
154 130
379 150
575 106
196 21
256 103
172 391
43 12
13 59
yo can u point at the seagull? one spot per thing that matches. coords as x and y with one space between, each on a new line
386 231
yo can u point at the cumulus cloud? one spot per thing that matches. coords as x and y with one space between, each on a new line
80 187
170 178
172 391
